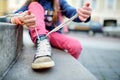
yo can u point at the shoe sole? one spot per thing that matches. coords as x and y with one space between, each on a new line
44 65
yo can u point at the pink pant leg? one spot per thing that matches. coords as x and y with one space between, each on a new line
38 11
64 42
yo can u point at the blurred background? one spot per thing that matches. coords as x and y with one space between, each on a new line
105 16
100 37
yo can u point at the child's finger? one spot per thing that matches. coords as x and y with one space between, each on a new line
83 13
87 4
30 25
30 20
29 13
82 18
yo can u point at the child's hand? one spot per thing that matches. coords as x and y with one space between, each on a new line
84 12
27 19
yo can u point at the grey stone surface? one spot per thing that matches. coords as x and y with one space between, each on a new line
10 44
66 68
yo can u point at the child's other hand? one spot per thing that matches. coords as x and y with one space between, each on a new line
84 12
28 19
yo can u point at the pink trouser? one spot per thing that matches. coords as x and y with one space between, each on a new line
57 40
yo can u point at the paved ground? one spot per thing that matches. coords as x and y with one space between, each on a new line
100 55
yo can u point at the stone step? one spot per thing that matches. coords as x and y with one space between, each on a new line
10 45
66 67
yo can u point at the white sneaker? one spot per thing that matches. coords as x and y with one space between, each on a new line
42 57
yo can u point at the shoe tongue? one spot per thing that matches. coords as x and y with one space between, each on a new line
42 37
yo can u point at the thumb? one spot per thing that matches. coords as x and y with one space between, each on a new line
27 13
87 4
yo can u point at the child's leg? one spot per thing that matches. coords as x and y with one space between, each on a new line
38 11
42 58
64 42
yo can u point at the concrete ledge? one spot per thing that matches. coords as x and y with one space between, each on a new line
10 45
66 68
